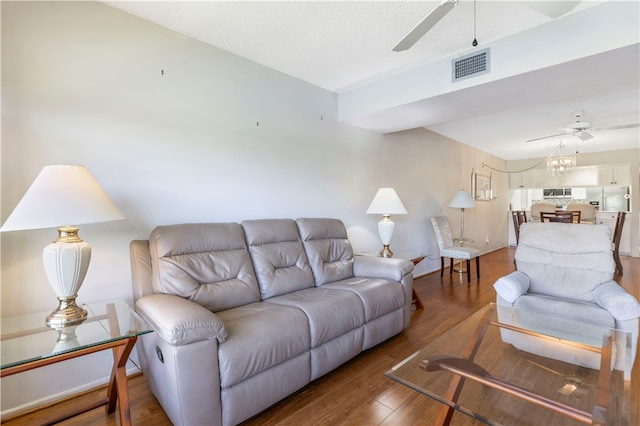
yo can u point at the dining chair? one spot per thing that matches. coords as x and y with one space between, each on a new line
587 211
519 217
448 249
562 217
575 215
617 235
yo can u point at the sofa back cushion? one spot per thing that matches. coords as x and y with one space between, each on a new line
328 249
565 260
207 262
279 260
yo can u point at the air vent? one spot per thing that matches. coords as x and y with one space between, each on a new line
472 65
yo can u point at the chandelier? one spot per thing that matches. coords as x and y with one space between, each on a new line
558 163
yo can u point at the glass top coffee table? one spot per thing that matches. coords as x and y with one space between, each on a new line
472 370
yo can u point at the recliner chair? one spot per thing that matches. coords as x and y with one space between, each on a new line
567 269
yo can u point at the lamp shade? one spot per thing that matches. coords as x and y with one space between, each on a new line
62 195
462 200
386 201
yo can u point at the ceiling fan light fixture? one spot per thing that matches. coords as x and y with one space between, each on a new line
579 126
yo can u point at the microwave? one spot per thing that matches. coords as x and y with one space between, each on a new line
556 192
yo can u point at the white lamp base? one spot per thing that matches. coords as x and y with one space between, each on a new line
66 261
385 231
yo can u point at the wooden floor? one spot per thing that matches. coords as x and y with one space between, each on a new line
358 393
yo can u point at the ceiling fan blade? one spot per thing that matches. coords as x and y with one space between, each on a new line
546 137
621 126
584 136
552 9
425 25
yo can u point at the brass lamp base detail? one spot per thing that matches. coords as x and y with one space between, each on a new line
386 251
67 313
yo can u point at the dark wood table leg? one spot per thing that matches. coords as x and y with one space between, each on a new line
416 300
117 391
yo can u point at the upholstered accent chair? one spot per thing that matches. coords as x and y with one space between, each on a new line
449 249
567 269
537 208
587 212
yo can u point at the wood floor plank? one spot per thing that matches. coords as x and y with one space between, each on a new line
358 393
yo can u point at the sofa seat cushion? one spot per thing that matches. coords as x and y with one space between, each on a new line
378 296
330 312
581 321
259 336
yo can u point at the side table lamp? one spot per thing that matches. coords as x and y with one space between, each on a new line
462 200
59 196
386 202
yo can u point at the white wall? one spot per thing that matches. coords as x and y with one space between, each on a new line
178 131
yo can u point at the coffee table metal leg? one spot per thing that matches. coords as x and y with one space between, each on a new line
455 387
599 415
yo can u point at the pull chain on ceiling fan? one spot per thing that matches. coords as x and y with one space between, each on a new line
475 40
548 8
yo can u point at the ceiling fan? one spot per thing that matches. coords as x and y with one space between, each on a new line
581 129
552 9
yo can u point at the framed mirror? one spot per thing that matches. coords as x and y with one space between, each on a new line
482 190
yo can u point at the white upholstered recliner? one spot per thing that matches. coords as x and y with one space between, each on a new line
567 269
448 249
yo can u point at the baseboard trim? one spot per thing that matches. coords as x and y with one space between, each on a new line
432 270
59 398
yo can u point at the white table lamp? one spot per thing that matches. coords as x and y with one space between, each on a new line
60 196
462 200
386 202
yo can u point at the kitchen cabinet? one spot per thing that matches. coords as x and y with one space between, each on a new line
579 193
523 180
616 174
619 174
577 176
581 176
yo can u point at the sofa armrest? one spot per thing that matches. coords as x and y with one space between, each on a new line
180 321
380 267
512 286
616 300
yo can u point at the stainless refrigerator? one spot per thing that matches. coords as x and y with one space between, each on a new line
615 198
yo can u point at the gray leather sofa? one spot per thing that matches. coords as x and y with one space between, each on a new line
246 314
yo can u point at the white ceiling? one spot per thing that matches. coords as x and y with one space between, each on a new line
344 46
